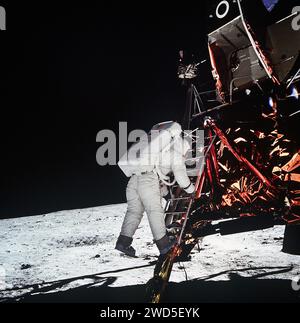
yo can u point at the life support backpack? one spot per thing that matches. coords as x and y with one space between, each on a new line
143 156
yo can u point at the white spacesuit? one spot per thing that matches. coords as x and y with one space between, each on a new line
144 194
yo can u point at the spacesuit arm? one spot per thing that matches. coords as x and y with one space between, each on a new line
180 173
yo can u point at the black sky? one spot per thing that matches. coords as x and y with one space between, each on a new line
69 72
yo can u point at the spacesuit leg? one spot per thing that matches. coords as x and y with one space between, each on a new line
149 191
135 209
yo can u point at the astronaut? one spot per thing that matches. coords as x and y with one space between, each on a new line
144 193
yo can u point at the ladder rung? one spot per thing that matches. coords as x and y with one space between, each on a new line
175 212
179 198
194 159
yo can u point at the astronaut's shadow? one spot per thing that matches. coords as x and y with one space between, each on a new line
39 292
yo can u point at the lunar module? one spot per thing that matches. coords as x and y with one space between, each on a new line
246 173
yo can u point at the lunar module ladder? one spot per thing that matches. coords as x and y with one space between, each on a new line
180 205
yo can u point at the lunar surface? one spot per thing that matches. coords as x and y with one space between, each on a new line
70 256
